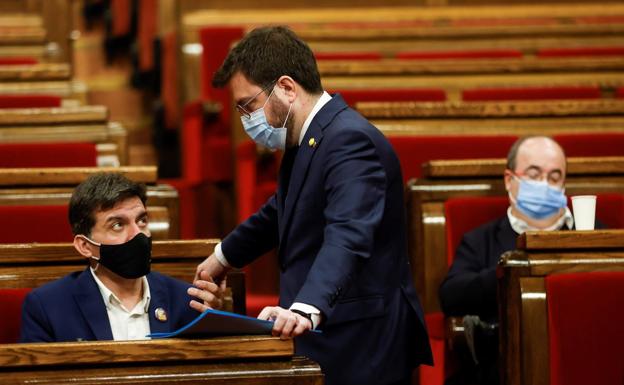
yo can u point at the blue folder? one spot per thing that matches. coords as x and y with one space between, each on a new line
219 323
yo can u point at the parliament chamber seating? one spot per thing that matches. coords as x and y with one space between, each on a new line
558 318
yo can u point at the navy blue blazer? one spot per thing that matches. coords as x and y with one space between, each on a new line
72 308
339 222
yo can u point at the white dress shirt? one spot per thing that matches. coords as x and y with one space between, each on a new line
126 324
308 309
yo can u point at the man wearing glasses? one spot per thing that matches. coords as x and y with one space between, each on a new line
337 219
534 180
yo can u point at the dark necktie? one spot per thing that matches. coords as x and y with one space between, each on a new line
286 170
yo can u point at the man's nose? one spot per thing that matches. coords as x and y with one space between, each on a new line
135 229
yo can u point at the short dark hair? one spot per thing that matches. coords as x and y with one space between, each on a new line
100 192
267 53
512 155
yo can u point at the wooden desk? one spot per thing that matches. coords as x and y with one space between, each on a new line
480 177
34 264
523 307
226 360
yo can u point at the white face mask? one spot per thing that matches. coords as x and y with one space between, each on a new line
259 129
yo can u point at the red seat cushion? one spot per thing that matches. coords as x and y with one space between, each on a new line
619 93
580 52
347 55
27 224
169 92
48 155
530 93
257 302
594 144
413 151
121 16
585 329
11 304
352 97
466 54
29 101
146 33
465 214
18 60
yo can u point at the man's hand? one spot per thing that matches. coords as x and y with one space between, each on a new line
212 267
286 323
210 294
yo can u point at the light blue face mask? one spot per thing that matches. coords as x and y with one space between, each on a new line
538 200
259 129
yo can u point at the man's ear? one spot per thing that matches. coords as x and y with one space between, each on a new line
84 247
289 86
507 177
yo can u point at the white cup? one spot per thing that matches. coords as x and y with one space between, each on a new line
584 208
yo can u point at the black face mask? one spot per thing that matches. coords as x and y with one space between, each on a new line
129 260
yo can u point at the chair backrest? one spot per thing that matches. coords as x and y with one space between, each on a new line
20 155
584 327
354 96
36 223
414 151
465 214
592 144
29 101
581 51
531 93
11 305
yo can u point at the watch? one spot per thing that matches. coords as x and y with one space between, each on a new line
305 315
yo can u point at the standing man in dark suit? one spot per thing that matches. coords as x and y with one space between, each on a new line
337 219
116 297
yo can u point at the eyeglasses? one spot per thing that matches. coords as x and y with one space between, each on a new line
554 177
242 108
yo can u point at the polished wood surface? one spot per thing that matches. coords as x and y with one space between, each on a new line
223 360
35 72
71 90
523 312
486 168
54 176
50 116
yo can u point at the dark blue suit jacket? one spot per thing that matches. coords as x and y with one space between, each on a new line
72 309
339 223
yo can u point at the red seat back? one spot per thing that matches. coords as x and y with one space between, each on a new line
594 144
465 54
465 214
29 101
11 304
585 329
17 60
27 224
47 155
352 97
413 151
531 93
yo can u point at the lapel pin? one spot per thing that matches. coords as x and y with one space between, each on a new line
160 314
312 143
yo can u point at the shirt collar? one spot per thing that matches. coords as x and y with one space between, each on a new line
325 97
109 297
520 226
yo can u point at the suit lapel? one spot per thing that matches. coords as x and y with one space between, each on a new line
89 300
159 299
304 157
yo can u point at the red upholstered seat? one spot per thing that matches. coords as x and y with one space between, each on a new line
18 155
594 144
121 17
581 52
146 33
530 93
27 224
392 95
465 54
11 304
169 92
619 93
585 332
18 60
29 101
413 151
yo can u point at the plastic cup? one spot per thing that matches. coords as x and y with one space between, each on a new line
584 208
